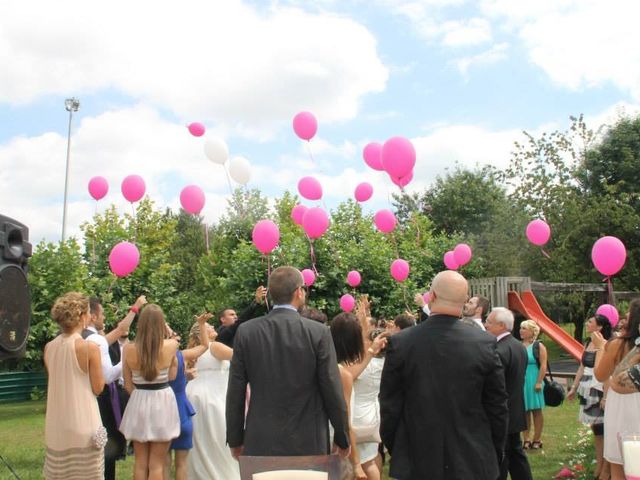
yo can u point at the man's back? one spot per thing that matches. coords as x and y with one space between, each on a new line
443 402
291 366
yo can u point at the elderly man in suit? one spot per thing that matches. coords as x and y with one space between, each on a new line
442 398
290 363
514 360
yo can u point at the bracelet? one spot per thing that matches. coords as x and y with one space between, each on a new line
134 309
370 350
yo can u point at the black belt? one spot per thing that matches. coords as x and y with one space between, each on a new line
151 386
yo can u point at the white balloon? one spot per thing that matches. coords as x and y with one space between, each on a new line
216 150
240 170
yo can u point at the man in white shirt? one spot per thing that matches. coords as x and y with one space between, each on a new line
474 312
109 399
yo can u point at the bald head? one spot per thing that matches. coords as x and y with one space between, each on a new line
449 291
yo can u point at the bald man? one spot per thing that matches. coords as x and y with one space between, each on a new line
443 400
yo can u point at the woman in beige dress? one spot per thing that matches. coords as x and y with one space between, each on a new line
75 378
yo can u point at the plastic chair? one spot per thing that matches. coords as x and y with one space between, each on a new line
283 467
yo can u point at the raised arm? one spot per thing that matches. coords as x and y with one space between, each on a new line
379 343
125 324
191 354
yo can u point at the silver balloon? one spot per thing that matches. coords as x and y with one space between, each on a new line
216 150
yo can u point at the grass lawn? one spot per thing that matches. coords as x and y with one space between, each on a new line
22 437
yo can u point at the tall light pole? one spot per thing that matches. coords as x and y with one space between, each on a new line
71 105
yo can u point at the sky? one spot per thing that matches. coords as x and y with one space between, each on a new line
462 79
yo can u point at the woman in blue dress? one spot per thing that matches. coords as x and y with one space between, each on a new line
533 396
184 442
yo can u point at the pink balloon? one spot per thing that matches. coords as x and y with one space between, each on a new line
308 276
98 187
402 181
354 278
305 125
450 260
372 156
124 258
297 213
315 222
192 199
363 192
462 254
608 255
426 296
347 302
133 188
398 156
610 312
196 129
538 232
400 270
266 236
310 188
385 221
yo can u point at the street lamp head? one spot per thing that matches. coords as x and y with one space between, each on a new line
72 104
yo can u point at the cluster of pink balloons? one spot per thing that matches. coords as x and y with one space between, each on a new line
124 259
608 255
305 125
265 236
458 257
192 199
397 157
610 312
538 232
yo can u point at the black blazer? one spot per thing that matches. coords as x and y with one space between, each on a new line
443 402
514 360
295 389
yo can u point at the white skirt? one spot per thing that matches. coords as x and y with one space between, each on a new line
151 416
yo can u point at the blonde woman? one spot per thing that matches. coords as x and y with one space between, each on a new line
151 418
536 370
75 378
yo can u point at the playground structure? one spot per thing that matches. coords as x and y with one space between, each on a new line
516 294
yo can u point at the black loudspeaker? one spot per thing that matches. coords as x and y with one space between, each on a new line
15 297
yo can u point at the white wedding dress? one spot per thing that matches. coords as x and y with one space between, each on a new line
210 458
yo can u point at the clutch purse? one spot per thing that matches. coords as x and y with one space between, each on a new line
99 439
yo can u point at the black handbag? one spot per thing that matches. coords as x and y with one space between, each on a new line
553 392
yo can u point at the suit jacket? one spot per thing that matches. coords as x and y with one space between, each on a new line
290 363
443 402
514 360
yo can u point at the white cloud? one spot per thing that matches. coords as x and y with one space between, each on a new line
225 63
474 31
493 55
578 44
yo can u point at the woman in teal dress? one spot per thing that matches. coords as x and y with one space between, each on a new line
533 396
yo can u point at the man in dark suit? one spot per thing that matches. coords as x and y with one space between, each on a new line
514 360
443 401
290 363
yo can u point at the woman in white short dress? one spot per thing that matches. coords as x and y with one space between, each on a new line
151 419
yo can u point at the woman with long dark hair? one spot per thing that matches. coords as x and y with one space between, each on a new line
347 340
591 392
620 411
151 419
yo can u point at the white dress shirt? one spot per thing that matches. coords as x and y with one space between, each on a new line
110 372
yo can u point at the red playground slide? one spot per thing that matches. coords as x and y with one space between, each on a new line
528 306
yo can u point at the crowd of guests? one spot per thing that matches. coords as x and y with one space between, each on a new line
448 392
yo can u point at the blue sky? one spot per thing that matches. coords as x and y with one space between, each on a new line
460 78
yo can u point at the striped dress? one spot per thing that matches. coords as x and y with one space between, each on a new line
72 416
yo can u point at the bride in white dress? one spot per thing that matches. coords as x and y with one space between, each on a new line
210 457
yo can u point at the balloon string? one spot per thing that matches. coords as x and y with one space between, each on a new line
310 152
395 244
404 296
610 299
112 284
226 172
545 253
206 236
312 255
